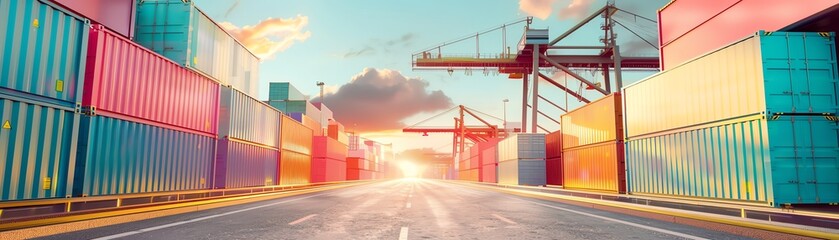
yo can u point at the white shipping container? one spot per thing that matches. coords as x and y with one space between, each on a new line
522 146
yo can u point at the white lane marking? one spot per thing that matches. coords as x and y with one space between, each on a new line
403 233
503 219
125 234
408 205
665 231
302 219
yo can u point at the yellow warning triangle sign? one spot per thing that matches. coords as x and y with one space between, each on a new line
7 125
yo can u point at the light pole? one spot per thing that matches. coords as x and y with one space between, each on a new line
321 84
505 101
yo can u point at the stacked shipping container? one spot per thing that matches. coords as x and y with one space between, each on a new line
553 158
592 146
248 141
489 163
41 76
761 128
329 160
521 160
296 153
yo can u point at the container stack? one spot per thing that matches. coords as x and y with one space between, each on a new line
149 125
592 146
467 171
285 97
40 87
553 158
336 131
489 162
360 160
181 32
248 142
762 128
329 160
521 160
296 153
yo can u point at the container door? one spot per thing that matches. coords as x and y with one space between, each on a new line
805 159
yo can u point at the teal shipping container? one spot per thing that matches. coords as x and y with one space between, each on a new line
280 91
754 121
121 157
181 32
37 149
43 49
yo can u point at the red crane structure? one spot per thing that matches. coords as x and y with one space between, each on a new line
533 54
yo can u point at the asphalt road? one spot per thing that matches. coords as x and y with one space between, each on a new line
400 209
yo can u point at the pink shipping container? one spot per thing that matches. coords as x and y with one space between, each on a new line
118 15
489 173
553 158
329 162
691 28
127 81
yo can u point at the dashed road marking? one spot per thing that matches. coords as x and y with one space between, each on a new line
302 219
403 233
503 219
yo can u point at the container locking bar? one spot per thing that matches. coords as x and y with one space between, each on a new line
828 116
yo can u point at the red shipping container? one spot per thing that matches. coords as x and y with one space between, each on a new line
691 28
489 173
325 147
118 15
328 170
553 161
127 81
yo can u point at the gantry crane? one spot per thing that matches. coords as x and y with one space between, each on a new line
532 54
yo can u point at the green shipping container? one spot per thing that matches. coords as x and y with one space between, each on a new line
278 91
754 121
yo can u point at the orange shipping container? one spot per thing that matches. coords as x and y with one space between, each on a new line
592 146
296 153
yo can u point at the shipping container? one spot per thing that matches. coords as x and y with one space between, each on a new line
489 173
125 80
295 168
521 160
301 106
328 170
283 91
359 174
324 147
38 143
243 118
117 15
43 50
325 113
469 175
553 155
242 164
181 32
762 129
295 136
691 28
592 146
116 156
336 131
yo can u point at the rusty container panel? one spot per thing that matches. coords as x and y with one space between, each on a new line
691 28
598 167
295 168
126 80
597 122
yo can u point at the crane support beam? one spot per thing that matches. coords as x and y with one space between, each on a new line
552 103
549 117
570 73
555 83
579 25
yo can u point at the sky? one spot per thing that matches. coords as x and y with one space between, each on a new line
362 50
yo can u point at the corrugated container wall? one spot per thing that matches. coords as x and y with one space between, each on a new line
281 91
43 50
329 160
521 159
126 80
178 30
553 158
762 129
37 149
303 106
117 15
691 28
245 119
296 153
325 113
240 164
121 157
592 146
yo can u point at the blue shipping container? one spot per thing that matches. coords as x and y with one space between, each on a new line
282 91
239 164
37 149
122 157
43 50
773 138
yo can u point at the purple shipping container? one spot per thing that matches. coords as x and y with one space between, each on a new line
241 164
114 14
242 118
125 80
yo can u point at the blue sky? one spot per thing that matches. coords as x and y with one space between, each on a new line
348 36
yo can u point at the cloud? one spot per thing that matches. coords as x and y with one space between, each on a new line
358 53
538 8
404 40
381 46
576 9
272 35
379 99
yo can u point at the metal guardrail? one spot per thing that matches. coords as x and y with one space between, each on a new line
14 211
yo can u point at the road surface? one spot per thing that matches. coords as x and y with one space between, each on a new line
400 209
